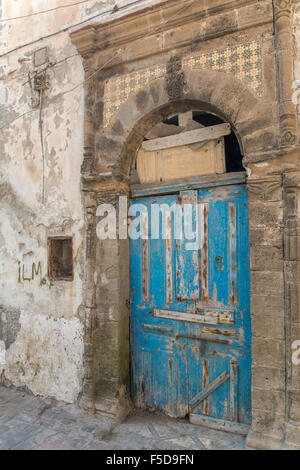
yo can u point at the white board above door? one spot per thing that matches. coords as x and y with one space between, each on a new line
187 138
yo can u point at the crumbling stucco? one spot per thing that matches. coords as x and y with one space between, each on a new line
46 356
9 326
41 148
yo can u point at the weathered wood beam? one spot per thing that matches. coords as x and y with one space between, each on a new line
195 401
189 137
220 424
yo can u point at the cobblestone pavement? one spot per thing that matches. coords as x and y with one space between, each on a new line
29 422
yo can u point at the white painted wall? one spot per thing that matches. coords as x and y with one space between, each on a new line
41 332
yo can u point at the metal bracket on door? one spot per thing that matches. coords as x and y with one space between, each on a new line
210 317
169 331
210 339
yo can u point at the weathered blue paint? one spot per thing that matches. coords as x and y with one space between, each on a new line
200 367
194 182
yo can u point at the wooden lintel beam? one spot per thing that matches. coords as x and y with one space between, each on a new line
189 137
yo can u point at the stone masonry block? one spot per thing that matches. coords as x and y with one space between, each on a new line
266 422
268 352
265 214
266 258
269 400
272 378
268 327
267 305
270 236
267 283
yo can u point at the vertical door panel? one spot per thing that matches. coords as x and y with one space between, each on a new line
187 259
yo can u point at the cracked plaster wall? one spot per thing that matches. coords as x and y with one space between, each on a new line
41 328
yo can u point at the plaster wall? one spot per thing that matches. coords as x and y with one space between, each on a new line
41 149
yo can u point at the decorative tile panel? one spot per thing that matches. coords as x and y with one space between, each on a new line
119 89
244 61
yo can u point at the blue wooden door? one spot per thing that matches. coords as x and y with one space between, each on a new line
190 313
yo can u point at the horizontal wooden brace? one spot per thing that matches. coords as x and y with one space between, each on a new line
209 338
190 317
221 425
189 137
201 182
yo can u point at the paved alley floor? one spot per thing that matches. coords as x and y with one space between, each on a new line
29 422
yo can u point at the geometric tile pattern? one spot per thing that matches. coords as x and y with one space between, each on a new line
119 89
244 61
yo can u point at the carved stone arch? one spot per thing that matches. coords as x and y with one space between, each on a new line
266 127
118 143
210 91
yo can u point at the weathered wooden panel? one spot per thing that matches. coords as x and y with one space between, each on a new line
169 254
204 208
187 260
195 323
232 252
181 162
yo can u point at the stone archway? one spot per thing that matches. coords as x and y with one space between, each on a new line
209 91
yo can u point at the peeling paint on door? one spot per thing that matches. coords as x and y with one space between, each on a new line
197 341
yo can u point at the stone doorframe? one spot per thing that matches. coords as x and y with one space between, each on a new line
266 128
